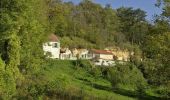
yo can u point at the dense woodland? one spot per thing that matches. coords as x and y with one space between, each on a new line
26 24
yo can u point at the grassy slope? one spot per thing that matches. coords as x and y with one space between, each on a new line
76 80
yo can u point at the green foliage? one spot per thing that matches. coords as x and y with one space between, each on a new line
22 32
132 24
127 75
32 34
7 83
13 52
64 81
86 25
80 43
25 24
166 11
156 65
136 58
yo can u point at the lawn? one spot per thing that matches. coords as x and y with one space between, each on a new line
79 81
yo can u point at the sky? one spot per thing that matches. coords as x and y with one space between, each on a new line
146 5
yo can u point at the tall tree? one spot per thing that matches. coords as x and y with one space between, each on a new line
132 23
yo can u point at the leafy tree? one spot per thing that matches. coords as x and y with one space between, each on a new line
23 27
166 9
157 51
132 23
88 21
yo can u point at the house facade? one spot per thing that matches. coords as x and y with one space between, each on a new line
52 47
65 54
74 54
102 54
102 57
84 54
121 55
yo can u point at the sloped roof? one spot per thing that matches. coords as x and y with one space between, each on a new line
102 52
53 38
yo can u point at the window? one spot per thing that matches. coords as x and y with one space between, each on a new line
55 45
97 61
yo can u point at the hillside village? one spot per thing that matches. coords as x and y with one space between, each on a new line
106 57
85 50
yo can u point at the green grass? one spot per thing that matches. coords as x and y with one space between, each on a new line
79 81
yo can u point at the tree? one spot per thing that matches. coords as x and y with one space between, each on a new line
87 21
157 51
132 24
22 31
32 33
166 7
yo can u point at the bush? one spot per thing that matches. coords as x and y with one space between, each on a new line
164 91
7 82
127 77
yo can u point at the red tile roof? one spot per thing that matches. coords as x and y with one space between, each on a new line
53 38
102 51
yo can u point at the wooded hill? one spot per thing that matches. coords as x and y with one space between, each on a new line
26 24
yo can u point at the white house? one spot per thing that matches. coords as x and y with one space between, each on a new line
102 54
102 57
84 54
74 54
52 47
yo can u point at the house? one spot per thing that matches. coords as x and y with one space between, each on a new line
52 47
102 57
74 54
102 54
84 54
121 55
65 54
81 54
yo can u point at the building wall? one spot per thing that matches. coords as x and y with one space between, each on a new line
122 55
106 56
53 48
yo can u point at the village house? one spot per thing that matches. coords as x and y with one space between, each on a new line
52 47
120 55
105 57
102 54
83 54
65 54
74 54
102 57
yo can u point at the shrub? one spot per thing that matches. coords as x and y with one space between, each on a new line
164 91
7 82
128 76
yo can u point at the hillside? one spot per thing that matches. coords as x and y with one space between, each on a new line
27 74
71 80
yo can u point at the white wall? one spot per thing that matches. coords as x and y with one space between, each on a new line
50 47
106 56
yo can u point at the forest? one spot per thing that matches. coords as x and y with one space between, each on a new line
25 73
